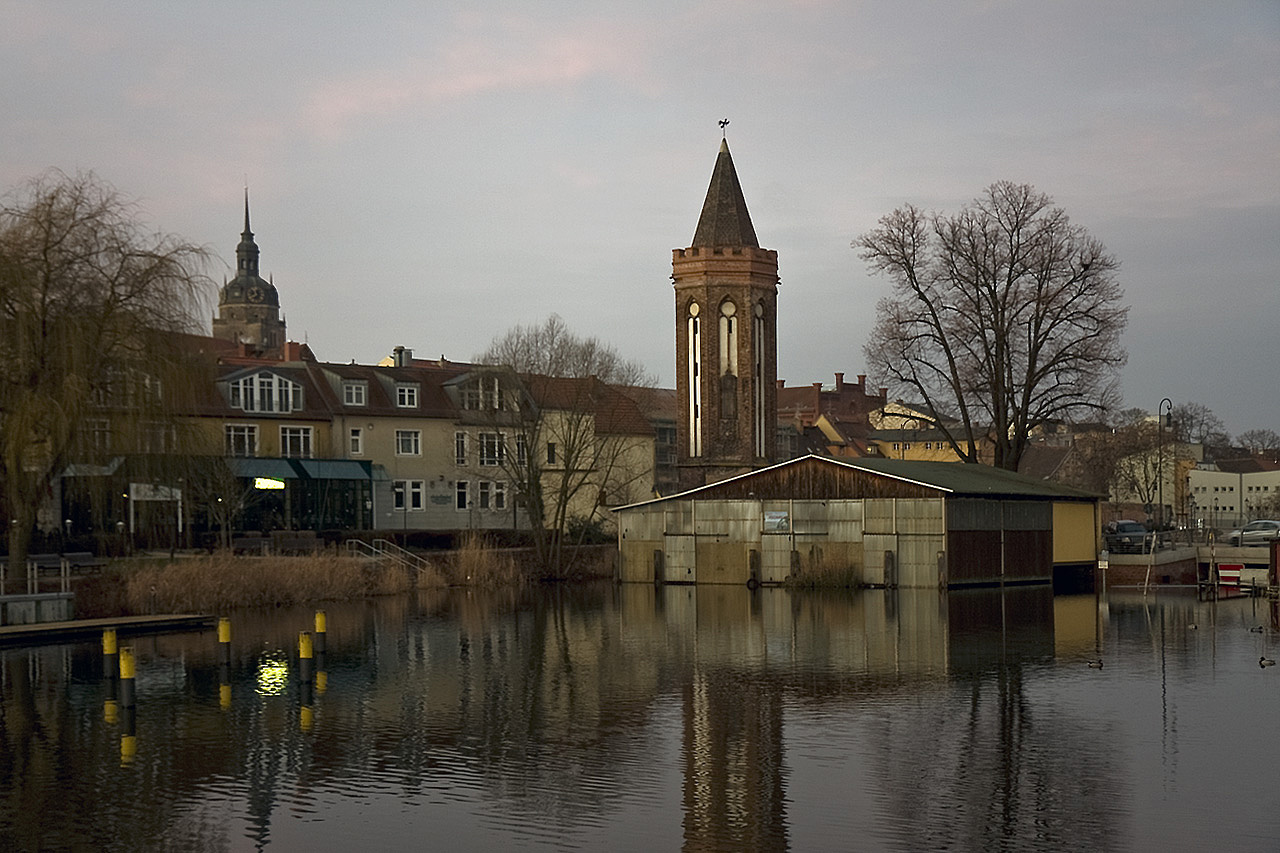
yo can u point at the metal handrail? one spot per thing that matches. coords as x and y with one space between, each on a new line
386 549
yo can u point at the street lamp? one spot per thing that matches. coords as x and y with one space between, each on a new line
1161 414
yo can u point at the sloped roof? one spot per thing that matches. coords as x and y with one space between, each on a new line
848 478
725 220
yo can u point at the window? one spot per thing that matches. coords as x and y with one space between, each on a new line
484 490
460 448
407 395
408 495
266 392
295 442
551 453
522 450
461 495
408 442
499 495
242 440
356 445
99 435
354 393
156 437
491 448
483 393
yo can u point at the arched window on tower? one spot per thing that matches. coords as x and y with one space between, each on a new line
761 419
694 332
728 361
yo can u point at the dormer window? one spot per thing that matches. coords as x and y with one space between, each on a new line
266 392
482 394
355 393
407 395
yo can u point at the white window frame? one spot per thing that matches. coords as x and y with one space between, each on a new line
266 392
484 494
355 393
304 435
499 496
355 441
247 432
493 450
460 448
462 496
407 395
408 442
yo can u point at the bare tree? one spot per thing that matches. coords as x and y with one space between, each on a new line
1195 423
573 441
1259 440
1004 316
89 308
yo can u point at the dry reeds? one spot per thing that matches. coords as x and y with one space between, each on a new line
825 568
223 581
477 563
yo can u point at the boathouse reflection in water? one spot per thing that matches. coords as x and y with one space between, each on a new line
630 717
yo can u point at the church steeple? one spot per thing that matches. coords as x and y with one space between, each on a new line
248 306
247 250
725 220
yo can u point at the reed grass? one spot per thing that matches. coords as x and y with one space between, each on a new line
223 581
476 562
826 568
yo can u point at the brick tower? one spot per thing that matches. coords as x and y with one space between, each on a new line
726 339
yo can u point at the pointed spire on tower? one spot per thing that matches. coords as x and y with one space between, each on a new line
247 250
725 220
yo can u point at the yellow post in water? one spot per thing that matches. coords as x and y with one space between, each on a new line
224 630
321 630
224 696
128 670
110 653
305 654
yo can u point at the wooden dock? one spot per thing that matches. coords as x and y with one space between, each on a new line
40 633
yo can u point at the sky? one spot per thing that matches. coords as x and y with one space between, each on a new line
430 175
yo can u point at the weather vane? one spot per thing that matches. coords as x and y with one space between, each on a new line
724 122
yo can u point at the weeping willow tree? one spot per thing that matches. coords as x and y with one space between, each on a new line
92 311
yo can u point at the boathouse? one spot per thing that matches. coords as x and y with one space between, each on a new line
882 521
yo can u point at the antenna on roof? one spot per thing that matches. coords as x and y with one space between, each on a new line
724 122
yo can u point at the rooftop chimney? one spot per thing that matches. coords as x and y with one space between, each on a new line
839 382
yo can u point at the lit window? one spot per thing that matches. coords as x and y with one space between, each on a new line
408 442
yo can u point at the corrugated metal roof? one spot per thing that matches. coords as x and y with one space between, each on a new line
950 478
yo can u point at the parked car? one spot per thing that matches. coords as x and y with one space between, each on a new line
1126 537
1255 533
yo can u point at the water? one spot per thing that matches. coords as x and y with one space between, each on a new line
634 718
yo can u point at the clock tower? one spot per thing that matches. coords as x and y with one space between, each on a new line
248 305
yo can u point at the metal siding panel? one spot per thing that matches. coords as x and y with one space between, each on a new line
920 516
878 515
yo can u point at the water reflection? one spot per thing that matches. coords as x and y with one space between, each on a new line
642 718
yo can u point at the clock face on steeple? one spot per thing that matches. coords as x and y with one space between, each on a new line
255 294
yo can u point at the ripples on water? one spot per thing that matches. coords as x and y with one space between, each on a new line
636 718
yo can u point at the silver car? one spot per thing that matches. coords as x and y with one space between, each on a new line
1255 533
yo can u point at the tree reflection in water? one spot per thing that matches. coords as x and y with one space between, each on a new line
642 718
